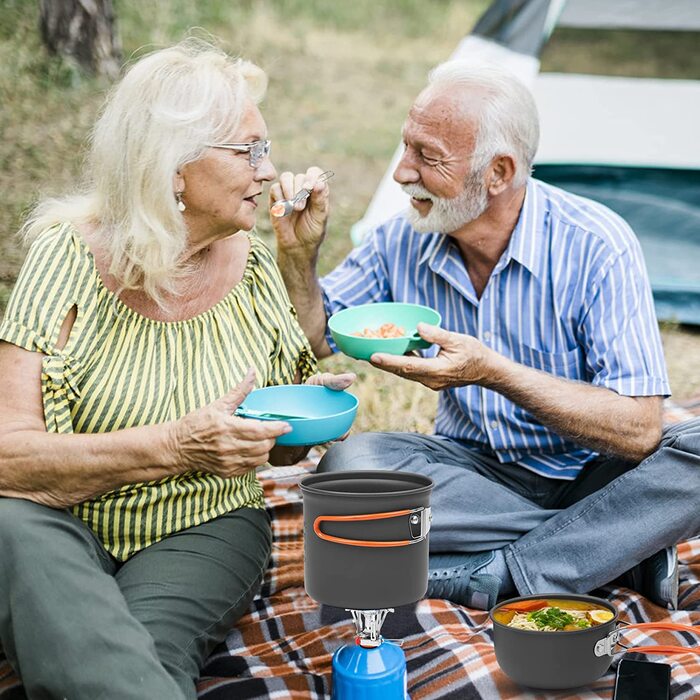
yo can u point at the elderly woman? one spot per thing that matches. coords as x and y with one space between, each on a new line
133 532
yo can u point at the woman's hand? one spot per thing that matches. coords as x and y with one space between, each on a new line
337 382
281 455
302 231
213 440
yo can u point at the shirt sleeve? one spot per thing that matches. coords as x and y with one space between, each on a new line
362 278
45 291
621 334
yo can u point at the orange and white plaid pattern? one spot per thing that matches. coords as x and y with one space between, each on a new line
283 647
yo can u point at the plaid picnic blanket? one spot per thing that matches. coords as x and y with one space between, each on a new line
283 647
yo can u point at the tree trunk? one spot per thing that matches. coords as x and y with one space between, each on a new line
83 31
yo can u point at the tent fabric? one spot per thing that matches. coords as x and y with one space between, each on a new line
633 124
516 24
663 207
622 121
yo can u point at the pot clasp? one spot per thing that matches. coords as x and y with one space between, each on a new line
606 646
423 517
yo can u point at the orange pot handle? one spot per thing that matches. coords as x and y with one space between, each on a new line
674 626
607 644
423 514
663 648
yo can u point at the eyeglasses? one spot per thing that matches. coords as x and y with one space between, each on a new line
257 150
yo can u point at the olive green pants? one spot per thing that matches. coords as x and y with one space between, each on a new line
77 624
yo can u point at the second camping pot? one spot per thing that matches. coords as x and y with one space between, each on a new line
560 660
366 538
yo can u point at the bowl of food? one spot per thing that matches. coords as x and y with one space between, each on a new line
389 327
560 641
553 642
317 414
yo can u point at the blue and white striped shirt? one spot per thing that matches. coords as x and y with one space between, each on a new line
569 296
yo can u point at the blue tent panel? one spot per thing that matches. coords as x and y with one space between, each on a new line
663 207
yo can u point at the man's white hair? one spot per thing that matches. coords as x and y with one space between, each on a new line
162 114
508 123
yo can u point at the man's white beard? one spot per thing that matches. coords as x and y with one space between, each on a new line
449 215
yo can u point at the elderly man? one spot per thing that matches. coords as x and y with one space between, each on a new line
551 472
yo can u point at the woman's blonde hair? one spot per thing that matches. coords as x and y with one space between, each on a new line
160 116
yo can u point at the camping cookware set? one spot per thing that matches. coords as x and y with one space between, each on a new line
366 550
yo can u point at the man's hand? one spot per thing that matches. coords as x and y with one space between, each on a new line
302 231
462 360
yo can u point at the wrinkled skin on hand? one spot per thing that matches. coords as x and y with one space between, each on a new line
212 439
462 360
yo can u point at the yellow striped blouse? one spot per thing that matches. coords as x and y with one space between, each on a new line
120 369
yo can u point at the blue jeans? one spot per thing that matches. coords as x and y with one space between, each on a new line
557 536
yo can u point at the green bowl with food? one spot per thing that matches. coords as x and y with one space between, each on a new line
389 327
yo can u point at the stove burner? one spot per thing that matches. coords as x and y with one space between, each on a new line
368 624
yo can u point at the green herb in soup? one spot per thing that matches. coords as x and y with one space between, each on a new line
554 619
552 615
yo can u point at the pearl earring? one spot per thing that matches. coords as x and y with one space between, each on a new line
180 204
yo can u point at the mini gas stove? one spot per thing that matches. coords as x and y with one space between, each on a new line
373 668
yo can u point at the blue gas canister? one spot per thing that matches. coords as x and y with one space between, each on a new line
369 673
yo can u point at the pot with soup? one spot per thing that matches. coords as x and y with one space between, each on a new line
564 641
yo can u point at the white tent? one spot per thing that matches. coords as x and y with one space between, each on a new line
599 131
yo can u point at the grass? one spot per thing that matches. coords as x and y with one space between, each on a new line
342 76
623 52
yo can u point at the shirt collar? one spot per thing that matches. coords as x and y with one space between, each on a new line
438 245
525 245
526 242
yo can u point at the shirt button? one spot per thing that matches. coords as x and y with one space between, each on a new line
487 336
494 424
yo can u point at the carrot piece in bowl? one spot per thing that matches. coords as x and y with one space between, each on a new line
525 605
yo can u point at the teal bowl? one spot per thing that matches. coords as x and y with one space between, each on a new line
328 414
356 318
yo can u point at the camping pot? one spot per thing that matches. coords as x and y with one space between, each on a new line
366 538
559 660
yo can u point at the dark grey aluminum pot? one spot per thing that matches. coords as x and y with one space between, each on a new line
553 660
363 572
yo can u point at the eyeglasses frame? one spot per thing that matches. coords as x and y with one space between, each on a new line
253 159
